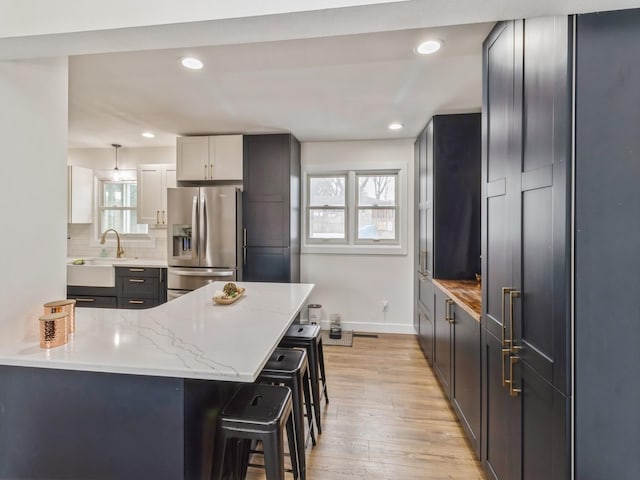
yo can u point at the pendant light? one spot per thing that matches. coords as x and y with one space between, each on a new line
116 172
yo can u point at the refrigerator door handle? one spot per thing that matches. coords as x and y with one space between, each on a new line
204 232
244 246
191 273
194 223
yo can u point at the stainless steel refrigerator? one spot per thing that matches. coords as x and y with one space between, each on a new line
204 226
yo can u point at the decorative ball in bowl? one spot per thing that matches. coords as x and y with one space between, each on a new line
229 294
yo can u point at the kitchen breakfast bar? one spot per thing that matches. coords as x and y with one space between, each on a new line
135 393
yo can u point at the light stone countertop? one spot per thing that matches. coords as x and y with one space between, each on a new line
123 262
141 262
189 337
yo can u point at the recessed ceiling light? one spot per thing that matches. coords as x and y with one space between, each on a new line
191 63
148 134
395 126
429 47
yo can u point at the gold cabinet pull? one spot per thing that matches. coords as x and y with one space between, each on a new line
164 217
423 262
211 172
157 217
505 355
505 342
85 299
513 391
136 302
136 269
447 311
205 172
136 280
514 348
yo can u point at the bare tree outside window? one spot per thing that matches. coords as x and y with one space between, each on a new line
380 186
353 207
327 207
376 207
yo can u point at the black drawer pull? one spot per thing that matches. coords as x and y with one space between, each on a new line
136 302
136 269
136 280
85 299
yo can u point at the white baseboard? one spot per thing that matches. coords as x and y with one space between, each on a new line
369 327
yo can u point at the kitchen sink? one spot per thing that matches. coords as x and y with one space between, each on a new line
96 272
105 261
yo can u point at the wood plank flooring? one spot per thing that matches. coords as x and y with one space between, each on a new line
388 418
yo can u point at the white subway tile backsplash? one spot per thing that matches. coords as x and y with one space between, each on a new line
80 238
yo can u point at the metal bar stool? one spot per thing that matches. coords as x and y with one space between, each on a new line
289 366
257 412
309 338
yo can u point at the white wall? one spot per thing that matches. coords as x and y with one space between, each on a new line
128 158
355 285
81 241
33 130
83 15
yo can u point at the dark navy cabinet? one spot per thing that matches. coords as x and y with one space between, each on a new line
141 287
447 200
442 363
93 297
465 374
526 248
135 288
607 242
271 208
457 361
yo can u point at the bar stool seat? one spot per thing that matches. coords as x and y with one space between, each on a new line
289 366
309 337
257 412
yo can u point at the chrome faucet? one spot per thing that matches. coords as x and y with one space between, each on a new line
119 249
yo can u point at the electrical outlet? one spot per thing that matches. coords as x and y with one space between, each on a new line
385 306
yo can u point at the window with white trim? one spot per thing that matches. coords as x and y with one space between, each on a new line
377 203
327 208
117 207
353 208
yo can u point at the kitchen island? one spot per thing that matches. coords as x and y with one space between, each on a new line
135 393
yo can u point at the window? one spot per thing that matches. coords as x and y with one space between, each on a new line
118 207
327 212
377 204
354 208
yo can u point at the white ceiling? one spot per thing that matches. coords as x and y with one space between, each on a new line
335 88
335 74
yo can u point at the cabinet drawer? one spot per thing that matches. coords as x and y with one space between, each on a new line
144 287
137 303
94 301
138 272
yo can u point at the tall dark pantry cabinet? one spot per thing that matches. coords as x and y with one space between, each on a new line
447 219
560 239
271 210
526 249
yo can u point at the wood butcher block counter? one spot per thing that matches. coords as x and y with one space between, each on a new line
465 293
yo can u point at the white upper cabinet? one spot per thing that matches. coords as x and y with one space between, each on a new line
217 157
192 158
79 195
225 157
153 181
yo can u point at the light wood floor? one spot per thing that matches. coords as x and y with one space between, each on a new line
388 418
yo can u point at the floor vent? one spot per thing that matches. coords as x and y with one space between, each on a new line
365 335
